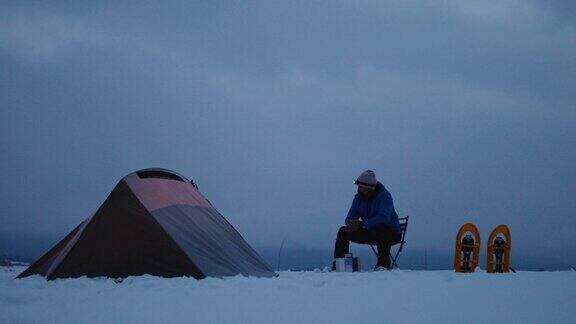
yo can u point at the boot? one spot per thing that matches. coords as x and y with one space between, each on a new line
383 262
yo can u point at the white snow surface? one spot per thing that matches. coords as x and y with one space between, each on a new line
399 296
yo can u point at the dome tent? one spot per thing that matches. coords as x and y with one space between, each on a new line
154 222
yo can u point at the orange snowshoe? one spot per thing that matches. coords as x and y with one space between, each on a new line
466 255
498 253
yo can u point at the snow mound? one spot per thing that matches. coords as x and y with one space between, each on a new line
295 297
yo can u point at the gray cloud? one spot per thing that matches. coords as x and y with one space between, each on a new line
464 111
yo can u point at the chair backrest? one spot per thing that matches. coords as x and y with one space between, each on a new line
403 226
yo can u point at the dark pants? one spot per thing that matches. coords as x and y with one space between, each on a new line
382 236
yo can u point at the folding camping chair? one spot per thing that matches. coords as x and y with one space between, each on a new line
393 258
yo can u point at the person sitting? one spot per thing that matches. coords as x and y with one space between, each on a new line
370 220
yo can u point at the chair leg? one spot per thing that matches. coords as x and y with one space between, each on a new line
376 254
374 250
395 258
393 265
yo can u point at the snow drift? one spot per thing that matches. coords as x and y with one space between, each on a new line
398 296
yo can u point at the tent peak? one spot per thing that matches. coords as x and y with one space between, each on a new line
160 173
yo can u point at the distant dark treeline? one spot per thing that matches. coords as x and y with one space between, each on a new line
23 247
297 257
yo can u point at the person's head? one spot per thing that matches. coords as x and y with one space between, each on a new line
366 183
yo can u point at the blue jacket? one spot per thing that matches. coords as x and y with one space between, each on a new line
378 210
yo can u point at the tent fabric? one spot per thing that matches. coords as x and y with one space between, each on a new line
153 222
207 238
42 265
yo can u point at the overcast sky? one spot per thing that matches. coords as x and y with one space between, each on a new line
465 110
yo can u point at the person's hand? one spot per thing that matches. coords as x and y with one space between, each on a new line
352 225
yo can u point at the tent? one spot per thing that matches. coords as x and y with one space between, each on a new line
156 222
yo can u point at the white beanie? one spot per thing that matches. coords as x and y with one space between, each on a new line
367 179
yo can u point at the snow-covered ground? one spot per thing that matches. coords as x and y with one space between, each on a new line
295 297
